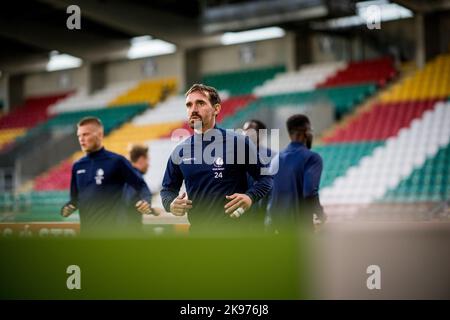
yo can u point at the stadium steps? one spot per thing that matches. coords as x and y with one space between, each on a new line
382 121
241 82
305 79
8 136
32 112
359 109
171 110
338 158
407 71
342 98
111 118
82 100
378 71
121 140
430 82
232 105
15 124
147 91
395 161
431 182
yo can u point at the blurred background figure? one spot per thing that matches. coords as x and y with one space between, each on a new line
258 217
295 194
140 160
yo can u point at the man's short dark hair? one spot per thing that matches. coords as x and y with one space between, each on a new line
138 151
90 120
210 92
297 123
258 124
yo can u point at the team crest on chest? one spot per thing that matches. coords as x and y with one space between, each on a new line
218 162
99 176
218 168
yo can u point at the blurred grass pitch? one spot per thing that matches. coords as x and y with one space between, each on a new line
252 267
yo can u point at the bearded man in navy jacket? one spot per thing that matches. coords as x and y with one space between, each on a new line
213 163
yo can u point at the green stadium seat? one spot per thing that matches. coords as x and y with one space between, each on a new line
241 82
338 158
428 183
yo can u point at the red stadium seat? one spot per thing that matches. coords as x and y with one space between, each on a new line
377 71
382 121
32 112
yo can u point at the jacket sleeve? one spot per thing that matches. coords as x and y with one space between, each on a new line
311 176
311 179
134 180
263 182
172 181
73 188
73 191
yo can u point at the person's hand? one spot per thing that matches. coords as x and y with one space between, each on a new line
240 202
143 207
180 205
318 222
67 210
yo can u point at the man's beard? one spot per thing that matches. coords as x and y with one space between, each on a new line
196 124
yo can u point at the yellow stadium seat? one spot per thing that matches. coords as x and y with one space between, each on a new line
148 91
120 140
9 135
431 82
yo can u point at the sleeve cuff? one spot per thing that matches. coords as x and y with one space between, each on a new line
252 196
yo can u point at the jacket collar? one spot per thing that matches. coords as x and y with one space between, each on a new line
96 154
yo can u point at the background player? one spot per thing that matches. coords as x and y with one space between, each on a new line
98 181
258 216
295 194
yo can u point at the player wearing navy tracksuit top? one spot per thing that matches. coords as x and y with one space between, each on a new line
216 188
98 181
207 185
97 185
295 194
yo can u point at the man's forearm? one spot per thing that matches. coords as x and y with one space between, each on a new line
261 188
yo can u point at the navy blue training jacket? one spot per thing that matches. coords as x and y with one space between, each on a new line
209 180
297 180
97 188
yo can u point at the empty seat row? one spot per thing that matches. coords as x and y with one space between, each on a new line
305 79
241 82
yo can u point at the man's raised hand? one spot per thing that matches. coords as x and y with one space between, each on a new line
180 205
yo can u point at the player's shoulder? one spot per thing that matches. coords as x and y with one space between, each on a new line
314 156
105 155
114 156
304 153
80 161
110 154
